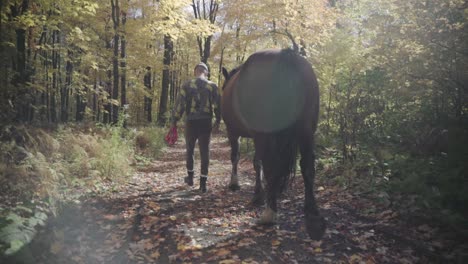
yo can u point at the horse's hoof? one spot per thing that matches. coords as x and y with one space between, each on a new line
268 217
258 200
234 187
316 226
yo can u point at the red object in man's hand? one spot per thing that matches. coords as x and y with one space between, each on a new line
171 137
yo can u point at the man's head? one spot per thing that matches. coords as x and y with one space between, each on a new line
201 69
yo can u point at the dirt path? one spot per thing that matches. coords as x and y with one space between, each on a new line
158 219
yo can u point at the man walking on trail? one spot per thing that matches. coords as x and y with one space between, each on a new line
199 99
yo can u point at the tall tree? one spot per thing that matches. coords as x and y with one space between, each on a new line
148 82
115 61
123 62
18 10
168 54
206 11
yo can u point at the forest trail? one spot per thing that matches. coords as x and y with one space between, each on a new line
156 218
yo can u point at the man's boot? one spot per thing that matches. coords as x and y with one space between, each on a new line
203 183
189 179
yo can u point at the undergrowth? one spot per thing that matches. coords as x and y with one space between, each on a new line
40 168
432 185
149 143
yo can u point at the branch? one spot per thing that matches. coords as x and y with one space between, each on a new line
449 48
290 36
204 9
194 9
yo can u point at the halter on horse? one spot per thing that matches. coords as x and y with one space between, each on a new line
274 99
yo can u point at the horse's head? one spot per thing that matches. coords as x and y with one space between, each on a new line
228 75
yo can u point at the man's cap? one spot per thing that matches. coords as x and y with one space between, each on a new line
202 65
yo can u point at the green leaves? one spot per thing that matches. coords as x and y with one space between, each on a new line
17 230
26 20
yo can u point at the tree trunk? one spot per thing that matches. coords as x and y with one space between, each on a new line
168 51
148 101
221 61
65 93
80 108
95 99
123 65
207 50
55 64
21 55
108 106
20 78
115 68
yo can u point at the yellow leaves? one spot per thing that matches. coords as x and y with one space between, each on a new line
90 7
56 247
314 246
94 65
155 255
114 102
222 252
77 34
153 206
203 28
355 259
275 243
27 20
189 247
246 242
181 247
173 18
306 21
228 261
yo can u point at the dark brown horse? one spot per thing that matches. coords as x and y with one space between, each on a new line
274 99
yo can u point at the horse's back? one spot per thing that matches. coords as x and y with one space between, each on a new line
274 89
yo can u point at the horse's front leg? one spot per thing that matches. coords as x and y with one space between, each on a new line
315 223
259 191
235 155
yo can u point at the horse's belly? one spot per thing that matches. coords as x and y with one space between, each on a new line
234 124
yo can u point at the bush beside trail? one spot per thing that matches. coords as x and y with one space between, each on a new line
40 168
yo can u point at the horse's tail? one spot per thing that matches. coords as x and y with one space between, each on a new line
281 146
279 159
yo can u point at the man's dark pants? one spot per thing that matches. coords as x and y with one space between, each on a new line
198 129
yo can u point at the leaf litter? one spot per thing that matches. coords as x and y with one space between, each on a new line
156 218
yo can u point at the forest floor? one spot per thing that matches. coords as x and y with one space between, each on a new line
156 218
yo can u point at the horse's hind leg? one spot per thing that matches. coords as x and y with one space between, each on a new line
259 193
315 223
270 213
266 182
234 141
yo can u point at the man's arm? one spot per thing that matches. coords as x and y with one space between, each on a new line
216 104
